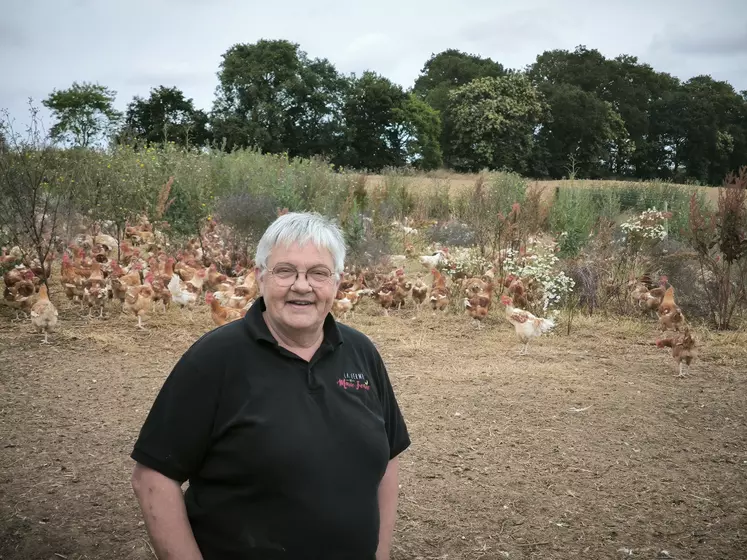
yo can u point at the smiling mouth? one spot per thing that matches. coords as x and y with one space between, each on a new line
300 303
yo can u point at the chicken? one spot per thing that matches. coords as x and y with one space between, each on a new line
670 316
527 326
222 315
478 300
160 291
438 258
439 299
419 291
95 290
19 295
342 305
214 278
401 290
138 300
651 300
182 293
638 294
44 314
683 349
517 290
384 296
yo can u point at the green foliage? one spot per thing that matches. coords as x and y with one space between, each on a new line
373 113
419 127
491 210
494 121
273 97
720 240
85 113
572 217
577 126
166 116
442 73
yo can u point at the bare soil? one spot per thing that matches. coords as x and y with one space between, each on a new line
589 447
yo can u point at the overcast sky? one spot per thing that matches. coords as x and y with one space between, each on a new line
131 46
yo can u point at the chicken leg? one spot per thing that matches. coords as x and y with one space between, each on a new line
46 340
684 370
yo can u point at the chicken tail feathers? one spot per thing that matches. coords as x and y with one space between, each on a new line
546 325
174 286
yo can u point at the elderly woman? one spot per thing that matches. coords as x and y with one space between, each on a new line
285 424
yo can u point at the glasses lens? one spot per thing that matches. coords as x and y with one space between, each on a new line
284 275
316 277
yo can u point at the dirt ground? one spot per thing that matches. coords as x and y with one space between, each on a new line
587 448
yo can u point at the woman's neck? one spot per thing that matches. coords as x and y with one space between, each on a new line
305 344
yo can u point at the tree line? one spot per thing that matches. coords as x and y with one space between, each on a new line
571 114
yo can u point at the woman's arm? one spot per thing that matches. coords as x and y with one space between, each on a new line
162 502
388 490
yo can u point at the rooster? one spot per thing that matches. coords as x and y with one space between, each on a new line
44 314
683 348
670 315
527 326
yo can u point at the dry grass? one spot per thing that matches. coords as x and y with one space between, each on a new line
458 182
586 447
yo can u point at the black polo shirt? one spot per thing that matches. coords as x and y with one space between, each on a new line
283 456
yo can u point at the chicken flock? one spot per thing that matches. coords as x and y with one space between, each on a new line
96 271
659 300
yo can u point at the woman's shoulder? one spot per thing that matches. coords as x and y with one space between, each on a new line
355 338
359 343
220 342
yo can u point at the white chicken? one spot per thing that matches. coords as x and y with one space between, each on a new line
527 326
434 260
182 294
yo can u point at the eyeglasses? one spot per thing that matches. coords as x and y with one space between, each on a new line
286 275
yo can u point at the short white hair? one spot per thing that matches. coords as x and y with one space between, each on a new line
302 228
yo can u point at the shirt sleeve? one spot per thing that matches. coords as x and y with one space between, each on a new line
396 428
177 431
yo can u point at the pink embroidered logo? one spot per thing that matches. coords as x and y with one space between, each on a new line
355 381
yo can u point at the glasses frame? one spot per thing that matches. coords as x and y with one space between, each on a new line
287 283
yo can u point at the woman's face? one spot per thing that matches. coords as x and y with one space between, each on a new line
298 304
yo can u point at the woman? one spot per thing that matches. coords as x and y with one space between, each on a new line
285 424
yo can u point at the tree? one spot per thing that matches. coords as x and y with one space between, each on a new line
85 113
713 128
419 127
273 97
371 112
444 72
37 189
578 127
166 116
494 121
631 88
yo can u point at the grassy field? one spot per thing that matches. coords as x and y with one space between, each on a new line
458 182
589 447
